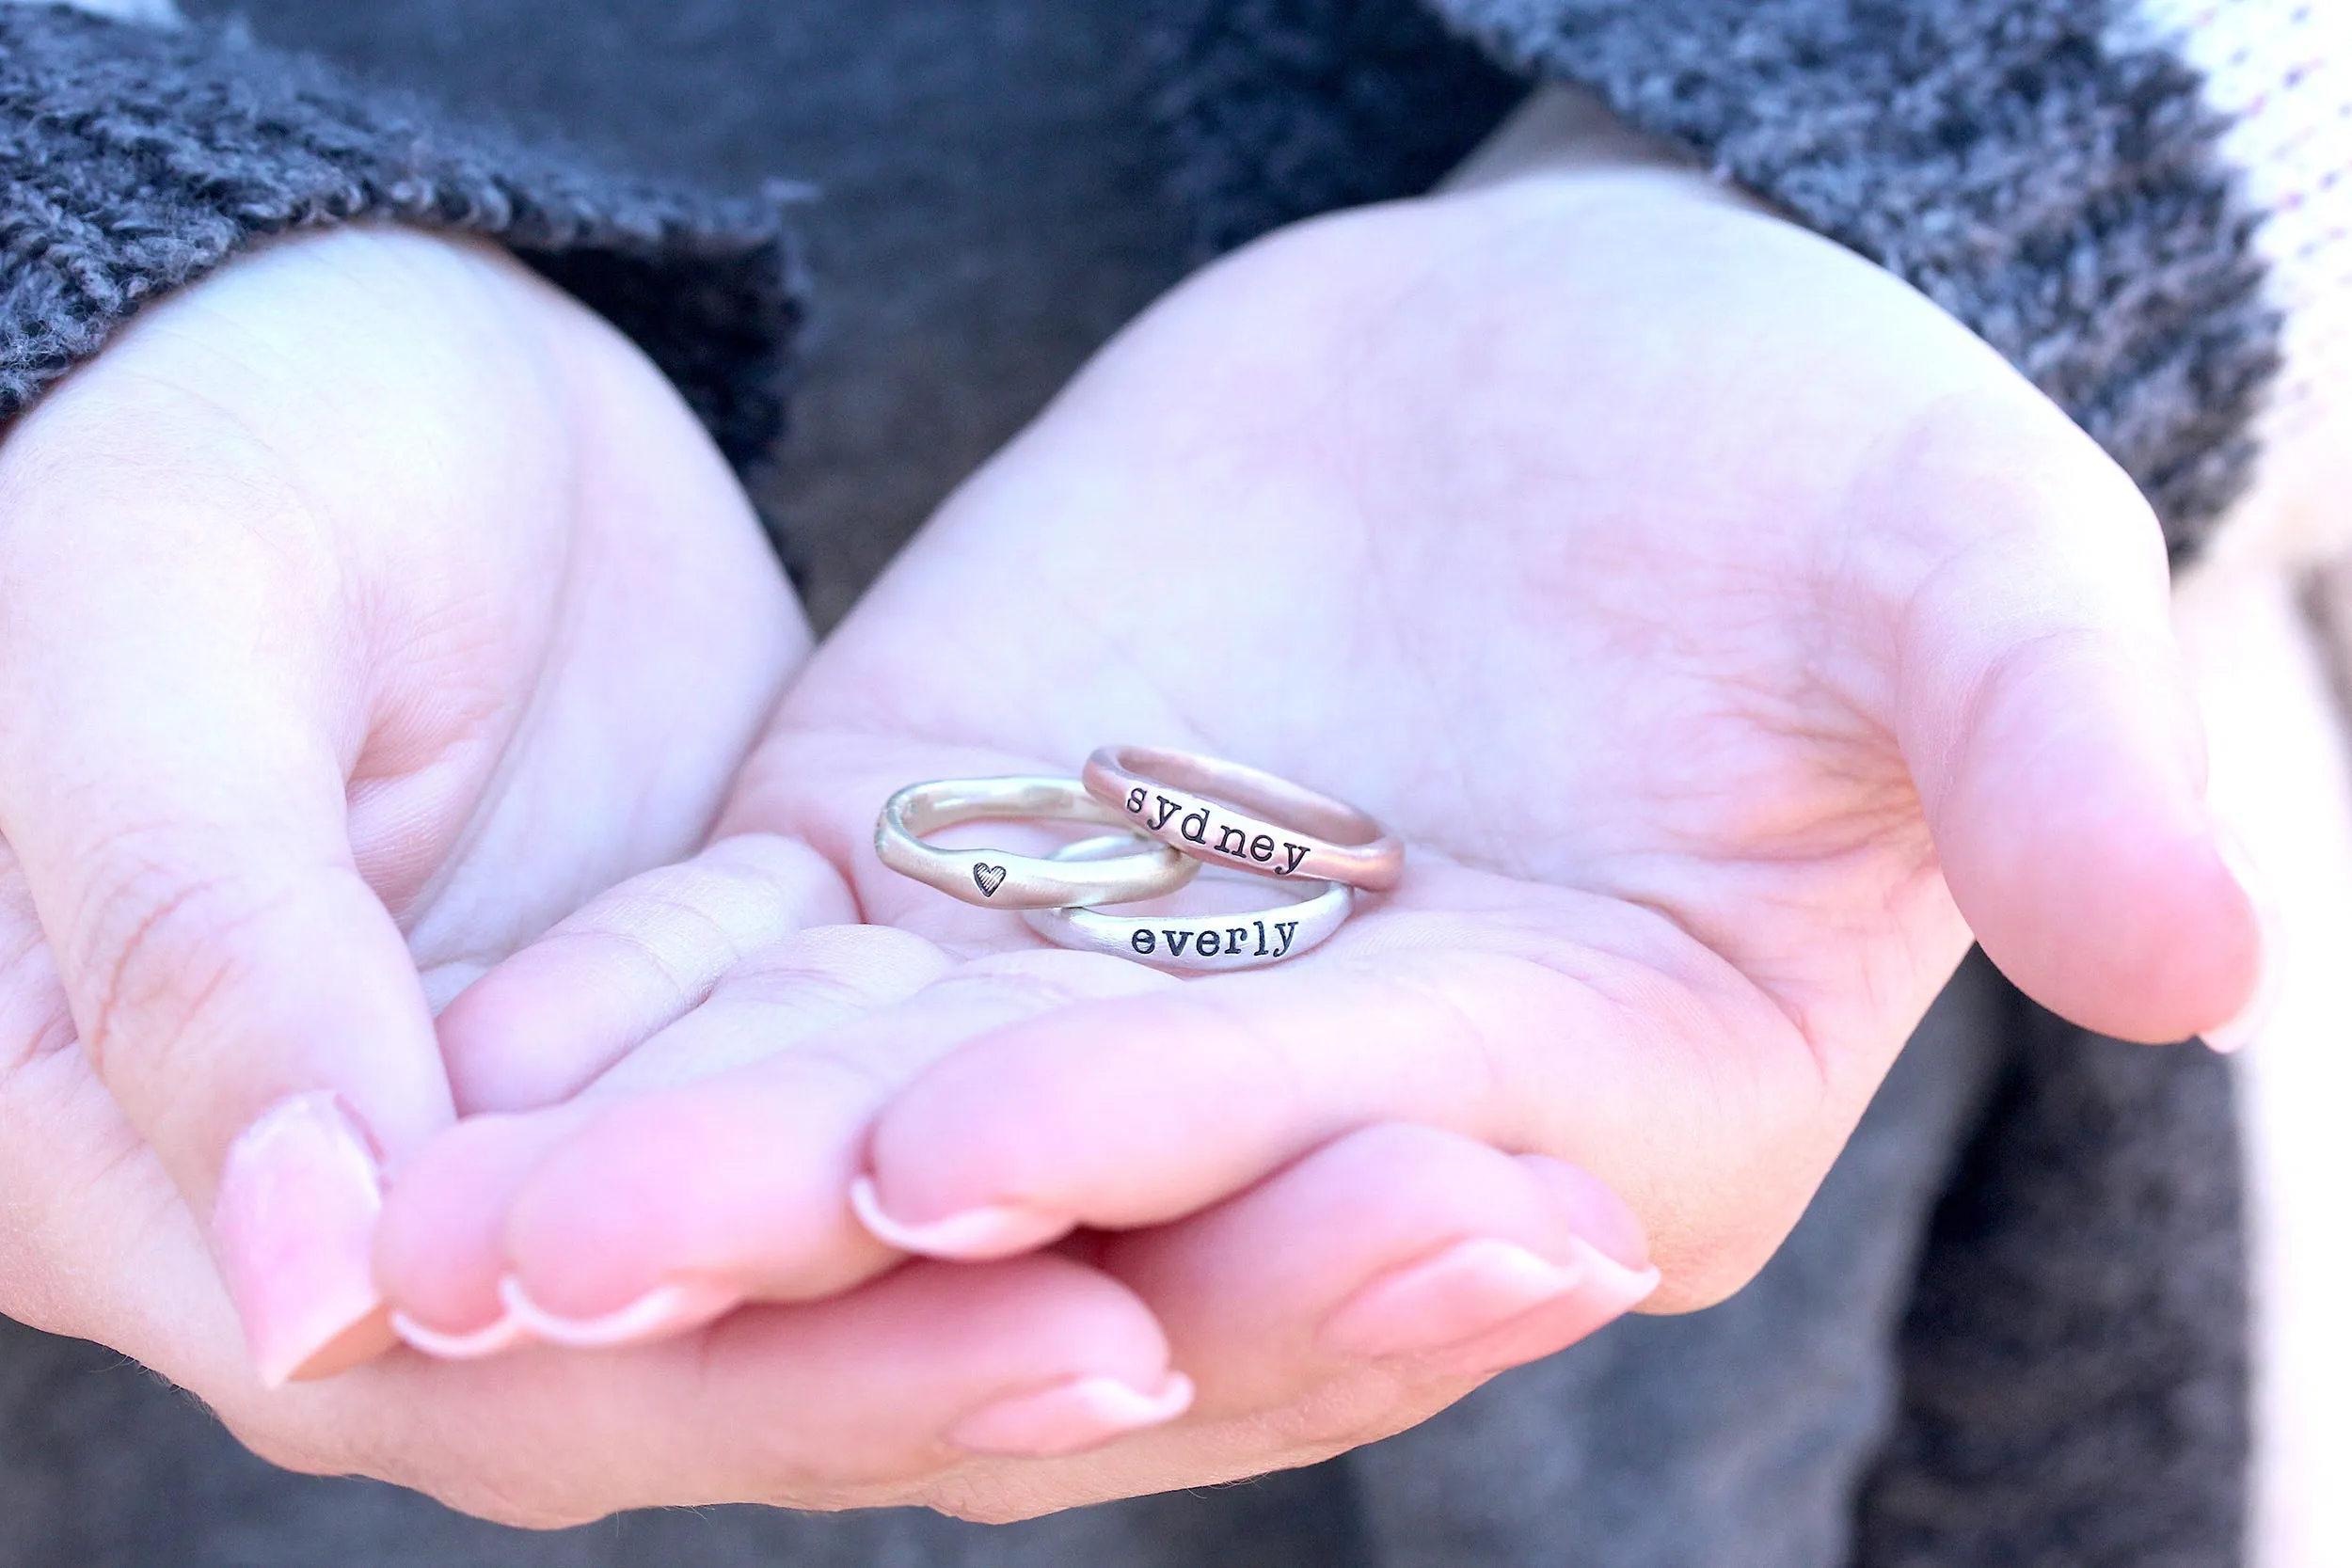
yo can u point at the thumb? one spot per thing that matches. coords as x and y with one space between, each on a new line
2046 716
172 778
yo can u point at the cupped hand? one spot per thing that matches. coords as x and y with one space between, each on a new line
1726 630
366 606
97 1242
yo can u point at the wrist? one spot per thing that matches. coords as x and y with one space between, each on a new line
1562 133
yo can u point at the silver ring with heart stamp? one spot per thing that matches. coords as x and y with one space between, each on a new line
1197 943
1001 880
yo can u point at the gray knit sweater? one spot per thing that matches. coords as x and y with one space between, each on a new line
2060 193
136 159
2012 1330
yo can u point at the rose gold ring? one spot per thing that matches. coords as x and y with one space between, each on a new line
1225 813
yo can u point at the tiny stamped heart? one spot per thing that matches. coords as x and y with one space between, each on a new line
988 878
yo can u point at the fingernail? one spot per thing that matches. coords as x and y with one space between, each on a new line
2254 1016
976 1235
295 1229
506 1333
1069 1417
1454 1306
671 1309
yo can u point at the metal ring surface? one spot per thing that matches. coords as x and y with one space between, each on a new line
1226 814
1196 943
995 879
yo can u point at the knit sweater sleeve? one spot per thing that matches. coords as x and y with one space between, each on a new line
134 159
2048 171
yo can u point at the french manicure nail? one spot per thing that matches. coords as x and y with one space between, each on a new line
503 1333
671 1309
1069 1417
976 1235
2254 1016
295 1228
1452 1302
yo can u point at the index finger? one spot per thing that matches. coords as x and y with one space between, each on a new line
1573 1026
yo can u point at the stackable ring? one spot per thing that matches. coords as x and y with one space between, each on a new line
996 880
1194 942
1229 814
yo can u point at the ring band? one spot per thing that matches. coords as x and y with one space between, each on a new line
1229 814
994 878
1195 942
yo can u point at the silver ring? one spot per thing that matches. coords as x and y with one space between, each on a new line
1196 943
996 880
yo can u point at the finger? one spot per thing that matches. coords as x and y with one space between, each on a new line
440 1252
741 1182
1137 1112
174 750
94 1242
67 1148
2044 713
659 1204
539 1027
1037 1359
245 997
1349 1296
1417 1256
878 1397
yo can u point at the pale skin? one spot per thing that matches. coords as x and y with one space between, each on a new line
1726 631
335 672
1794 659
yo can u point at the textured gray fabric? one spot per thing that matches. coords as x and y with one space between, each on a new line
2060 193
134 159
1277 111
1736 1438
2075 1388
989 204
2067 1389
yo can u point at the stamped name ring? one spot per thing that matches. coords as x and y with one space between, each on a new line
995 879
1228 814
1194 942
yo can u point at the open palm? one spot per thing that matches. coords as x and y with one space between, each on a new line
1704 608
